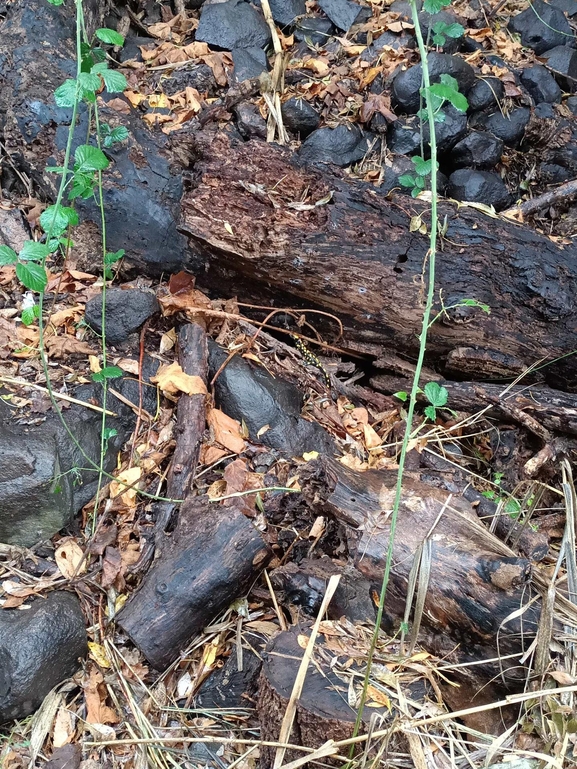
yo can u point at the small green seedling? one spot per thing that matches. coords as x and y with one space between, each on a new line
418 181
441 31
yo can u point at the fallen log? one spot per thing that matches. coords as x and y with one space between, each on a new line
208 561
476 585
269 229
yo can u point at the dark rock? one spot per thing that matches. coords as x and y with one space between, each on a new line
565 6
477 150
248 63
509 129
249 121
67 757
199 76
479 187
313 30
562 62
541 85
387 40
131 48
407 84
229 687
233 24
541 27
571 104
428 22
284 12
39 648
341 146
403 8
342 13
552 173
299 117
544 111
126 311
404 135
252 395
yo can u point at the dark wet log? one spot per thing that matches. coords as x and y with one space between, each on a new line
355 256
476 583
209 560
322 711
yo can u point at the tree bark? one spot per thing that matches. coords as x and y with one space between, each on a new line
268 228
209 560
475 584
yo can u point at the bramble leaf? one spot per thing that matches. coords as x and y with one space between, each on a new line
89 158
436 394
67 93
7 256
110 36
32 276
34 252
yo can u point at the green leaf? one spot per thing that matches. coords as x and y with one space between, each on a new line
475 303
32 276
114 256
67 94
439 39
431 412
56 219
89 158
436 394
401 395
118 134
448 93
29 314
488 494
114 81
7 256
89 82
110 372
512 507
451 30
34 252
109 432
415 192
422 167
56 2
434 6
420 182
109 36
406 180
54 169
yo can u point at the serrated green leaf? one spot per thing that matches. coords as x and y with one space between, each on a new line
451 30
34 252
7 256
110 36
434 6
56 219
406 180
54 169
56 2
401 395
67 94
436 394
475 303
118 134
448 93
89 82
89 158
422 167
431 413
29 314
512 507
114 81
32 276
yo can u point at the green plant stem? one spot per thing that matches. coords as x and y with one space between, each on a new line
418 368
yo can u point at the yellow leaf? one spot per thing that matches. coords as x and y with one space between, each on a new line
172 379
228 228
69 558
98 654
226 430
94 364
126 478
379 697
309 455
372 438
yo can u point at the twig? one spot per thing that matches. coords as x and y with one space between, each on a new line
60 396
558 195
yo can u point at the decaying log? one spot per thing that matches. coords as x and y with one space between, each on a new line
310 238
322 710
208 561
476 583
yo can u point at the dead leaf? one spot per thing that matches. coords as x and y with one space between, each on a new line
226 431
95 696
63 727
111 568
125 479
172 379
372 438
69 558
61 346
65 757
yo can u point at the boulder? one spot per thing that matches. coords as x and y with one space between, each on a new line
299 117
407 84
541 27
232 24
126 311
479 187
341 146
541 85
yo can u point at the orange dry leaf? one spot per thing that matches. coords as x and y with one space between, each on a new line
95 696
172 379
61 346
69 558
372 439
226 431
125 479
318 66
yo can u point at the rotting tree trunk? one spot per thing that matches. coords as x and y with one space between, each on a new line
356 257
476 584
207 562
